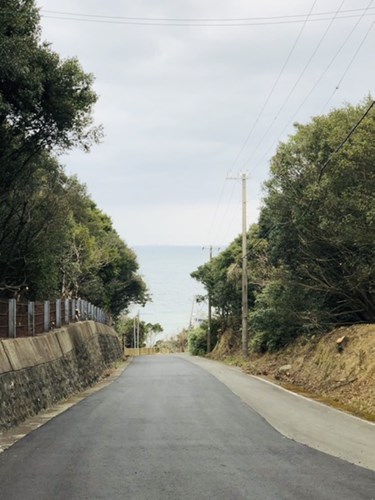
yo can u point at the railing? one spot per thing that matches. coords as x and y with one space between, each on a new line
24 319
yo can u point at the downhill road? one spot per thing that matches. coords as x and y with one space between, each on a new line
167 429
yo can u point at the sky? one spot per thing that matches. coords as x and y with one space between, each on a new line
194 93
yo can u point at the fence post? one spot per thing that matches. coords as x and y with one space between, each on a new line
67 311
58 313
73 310
12 316
79 307
31 318
84 309
47 319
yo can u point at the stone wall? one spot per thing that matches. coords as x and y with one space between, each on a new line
37 372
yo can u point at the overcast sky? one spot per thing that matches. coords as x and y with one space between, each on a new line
185 106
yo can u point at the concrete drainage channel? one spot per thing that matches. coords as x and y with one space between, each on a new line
10 437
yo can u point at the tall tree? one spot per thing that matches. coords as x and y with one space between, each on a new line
45 106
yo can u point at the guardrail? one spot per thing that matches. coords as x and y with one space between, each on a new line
24 319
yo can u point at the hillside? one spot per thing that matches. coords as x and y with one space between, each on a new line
340 374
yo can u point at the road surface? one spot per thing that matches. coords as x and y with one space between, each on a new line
167 429
299 418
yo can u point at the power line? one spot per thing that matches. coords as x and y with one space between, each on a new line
225 214
291 91
319 80
341 145
348 67
267 101
201 19
256 121
324 166
119 21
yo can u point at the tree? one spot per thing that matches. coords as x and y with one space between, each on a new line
33 232
126 327
45 102
321 231
311 258
222 278
45 107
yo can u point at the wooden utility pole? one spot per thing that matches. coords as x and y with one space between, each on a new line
245 335
134 333
209 315
138 331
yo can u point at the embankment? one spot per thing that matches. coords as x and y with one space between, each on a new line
37 372
337 368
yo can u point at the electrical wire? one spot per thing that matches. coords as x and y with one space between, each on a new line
291 91
193 20
338 85
225 214
99 20
322 169
256 121
319 80
291 51
342 144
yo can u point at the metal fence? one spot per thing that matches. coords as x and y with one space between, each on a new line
24 319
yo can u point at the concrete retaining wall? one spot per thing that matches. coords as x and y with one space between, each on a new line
37 372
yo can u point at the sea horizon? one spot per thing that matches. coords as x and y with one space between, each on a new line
166 270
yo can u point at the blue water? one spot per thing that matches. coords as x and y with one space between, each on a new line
166 270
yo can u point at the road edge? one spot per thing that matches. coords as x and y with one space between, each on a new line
11 436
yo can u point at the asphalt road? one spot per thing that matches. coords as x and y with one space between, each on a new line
167 429
299 418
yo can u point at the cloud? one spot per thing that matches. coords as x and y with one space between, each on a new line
177 103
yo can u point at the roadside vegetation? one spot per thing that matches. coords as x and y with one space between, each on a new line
131 329
311 268
54 240
311 256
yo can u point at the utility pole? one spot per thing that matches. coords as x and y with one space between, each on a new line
192 312
245 335
134 333
209 311
138 331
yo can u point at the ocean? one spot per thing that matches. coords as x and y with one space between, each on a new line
166 270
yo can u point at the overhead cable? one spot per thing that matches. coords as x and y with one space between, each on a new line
256 121
319 80
291 91
182 23
341 145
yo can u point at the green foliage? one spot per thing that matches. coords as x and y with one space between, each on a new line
45 102
222 279
126 325
54 241
322 231
197 341
311 257
282 312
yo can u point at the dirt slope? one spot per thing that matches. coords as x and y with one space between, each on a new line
340 374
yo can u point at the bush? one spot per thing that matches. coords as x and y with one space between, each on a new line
197 342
